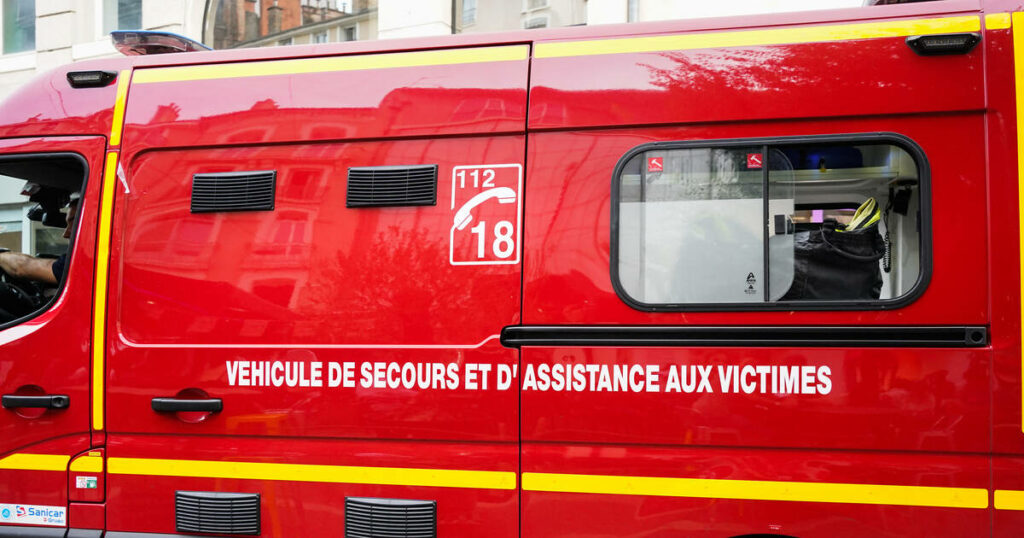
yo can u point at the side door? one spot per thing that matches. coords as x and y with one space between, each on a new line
695 384
330 352
45 367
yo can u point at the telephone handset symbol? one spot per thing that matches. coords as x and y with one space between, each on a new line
504 195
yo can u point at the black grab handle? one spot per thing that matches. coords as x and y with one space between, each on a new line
210 405
49 401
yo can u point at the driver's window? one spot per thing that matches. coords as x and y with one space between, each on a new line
39 197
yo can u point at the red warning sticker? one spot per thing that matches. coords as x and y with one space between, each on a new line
753 160
654 164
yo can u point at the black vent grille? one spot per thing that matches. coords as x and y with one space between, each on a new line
220 513
392 186
233 191
390 518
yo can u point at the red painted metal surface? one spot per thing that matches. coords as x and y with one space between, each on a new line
567 278
48 488
927 400
195 298
311 508
573 514
314 283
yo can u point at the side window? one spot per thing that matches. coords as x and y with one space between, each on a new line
39 199
816 222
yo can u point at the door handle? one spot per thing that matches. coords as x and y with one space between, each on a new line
209 405
48 401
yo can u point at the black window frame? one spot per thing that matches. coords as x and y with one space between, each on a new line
875 138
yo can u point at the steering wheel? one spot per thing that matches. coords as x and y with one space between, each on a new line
17 297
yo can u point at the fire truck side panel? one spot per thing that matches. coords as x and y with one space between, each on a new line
668 514
358 294
676 461
310 502
1004 250
737 83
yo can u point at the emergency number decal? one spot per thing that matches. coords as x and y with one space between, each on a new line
33 514
486 212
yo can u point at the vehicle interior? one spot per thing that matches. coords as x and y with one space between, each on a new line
35 192
817 222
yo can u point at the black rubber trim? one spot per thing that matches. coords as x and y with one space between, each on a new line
895 139
690 336
11 531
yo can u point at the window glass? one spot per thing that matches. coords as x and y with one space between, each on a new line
19 19
535 22
468 11
122 15
39 196
772 223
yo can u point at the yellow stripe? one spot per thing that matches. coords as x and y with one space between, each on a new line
392 476
334 63
997 21
35 462
775 36
1006 499
99 311
117 123
759 490
1018 77
87 464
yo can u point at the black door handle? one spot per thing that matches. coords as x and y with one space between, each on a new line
210 405
49 401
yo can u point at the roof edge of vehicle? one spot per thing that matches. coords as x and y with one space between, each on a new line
738 22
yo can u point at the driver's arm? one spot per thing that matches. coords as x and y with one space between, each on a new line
20 265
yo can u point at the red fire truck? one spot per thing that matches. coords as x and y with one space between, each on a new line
715 278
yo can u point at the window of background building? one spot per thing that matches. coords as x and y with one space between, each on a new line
259 23
350 33
536 4
19 25
121 15
632 10
10 230
535 22
285 42
468 11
